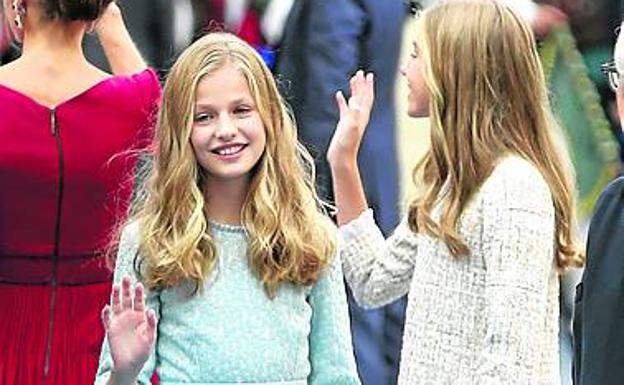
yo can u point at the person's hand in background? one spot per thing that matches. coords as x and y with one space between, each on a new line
546 19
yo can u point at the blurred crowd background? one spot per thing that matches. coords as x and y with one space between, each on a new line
313 46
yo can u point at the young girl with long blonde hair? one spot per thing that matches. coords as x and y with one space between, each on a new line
480 250
231 248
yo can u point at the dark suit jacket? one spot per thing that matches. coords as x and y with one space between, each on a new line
599 308
324 43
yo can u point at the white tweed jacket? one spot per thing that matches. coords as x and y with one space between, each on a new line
488 319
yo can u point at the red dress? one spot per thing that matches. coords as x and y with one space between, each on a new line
66 180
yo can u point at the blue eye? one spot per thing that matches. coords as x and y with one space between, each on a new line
242 111
202 117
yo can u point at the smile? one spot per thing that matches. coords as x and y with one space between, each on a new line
229 150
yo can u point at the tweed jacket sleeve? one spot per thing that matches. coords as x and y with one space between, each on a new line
378 271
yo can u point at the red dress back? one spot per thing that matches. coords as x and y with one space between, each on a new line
67 178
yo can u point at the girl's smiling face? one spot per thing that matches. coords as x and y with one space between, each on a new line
228 135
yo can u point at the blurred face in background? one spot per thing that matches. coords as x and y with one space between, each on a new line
8 29
3 40
5 34
3 27
3 6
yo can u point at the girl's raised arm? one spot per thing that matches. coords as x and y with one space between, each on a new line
378 271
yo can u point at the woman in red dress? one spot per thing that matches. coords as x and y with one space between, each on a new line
67 135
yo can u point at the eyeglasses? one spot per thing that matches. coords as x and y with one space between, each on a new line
613 76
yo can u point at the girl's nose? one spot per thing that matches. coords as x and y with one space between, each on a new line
226 129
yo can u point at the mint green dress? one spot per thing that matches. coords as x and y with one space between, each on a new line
233 333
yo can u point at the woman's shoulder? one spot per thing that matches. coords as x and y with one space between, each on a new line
517 181
94 87
129 238
145 77
515 167
144 84
7 70
130 231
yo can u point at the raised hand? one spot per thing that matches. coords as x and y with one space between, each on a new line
110 19
354 116
547 19
131 329
121 52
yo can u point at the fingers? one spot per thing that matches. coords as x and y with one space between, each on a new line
122 296
342 104
123 299
139 300
356 90
362 95
116 300
106 317
151 324
354 83
370 87
126 295
369 93
362 90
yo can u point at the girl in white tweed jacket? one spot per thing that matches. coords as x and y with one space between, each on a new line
481 247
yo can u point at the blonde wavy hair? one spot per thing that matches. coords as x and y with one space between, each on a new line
488 98
291 239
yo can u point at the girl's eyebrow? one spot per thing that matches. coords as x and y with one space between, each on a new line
242 100
203 106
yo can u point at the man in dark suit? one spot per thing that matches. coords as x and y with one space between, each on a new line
599 308
324 43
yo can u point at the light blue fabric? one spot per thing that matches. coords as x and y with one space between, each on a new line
232 332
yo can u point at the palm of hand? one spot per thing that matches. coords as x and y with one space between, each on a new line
130 329
129 339
354 116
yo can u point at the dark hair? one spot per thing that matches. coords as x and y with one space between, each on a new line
74 10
